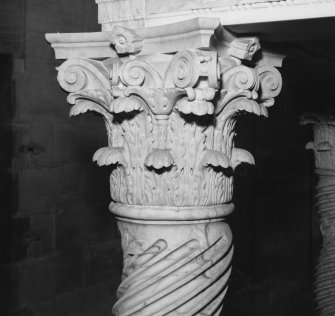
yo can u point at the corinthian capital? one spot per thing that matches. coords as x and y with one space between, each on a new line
170 128
170 121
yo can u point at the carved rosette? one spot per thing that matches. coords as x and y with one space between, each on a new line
170 121
324 153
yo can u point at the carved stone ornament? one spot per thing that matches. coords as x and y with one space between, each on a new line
125 40
324 153
170 122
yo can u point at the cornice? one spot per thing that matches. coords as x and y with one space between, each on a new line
156 39
194 33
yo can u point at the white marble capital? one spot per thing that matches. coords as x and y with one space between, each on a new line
170 98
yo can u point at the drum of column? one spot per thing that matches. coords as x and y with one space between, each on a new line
172 266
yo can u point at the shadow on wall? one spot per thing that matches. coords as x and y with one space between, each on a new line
60 250
276 234
6 67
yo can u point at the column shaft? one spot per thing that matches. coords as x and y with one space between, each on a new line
323 147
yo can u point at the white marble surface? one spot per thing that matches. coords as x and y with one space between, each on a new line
163 6
230 12
174 268
171 214
170 98
194 33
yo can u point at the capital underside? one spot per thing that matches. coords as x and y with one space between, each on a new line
170 122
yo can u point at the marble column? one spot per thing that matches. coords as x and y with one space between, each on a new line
170 120
324 153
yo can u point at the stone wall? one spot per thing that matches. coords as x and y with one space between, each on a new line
60 249
61 253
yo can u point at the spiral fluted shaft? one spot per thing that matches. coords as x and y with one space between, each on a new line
325 270
324 154
173 267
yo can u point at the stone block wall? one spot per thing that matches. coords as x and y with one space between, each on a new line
60 251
